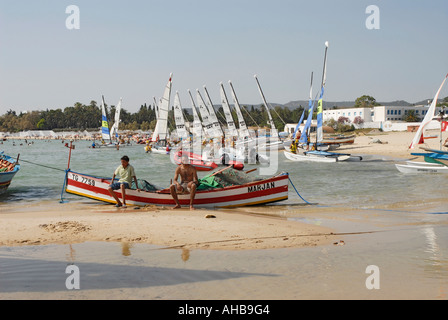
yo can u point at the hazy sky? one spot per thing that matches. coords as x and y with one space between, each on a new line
128 49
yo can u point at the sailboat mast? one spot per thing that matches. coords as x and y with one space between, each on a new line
319 132
267 108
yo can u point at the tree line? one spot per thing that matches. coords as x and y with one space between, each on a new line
80 117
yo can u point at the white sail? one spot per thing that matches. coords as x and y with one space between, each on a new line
208 126
274 131
197 123
428 118
105 133
179 119
243 131
232 131
161 130
114 130
213 118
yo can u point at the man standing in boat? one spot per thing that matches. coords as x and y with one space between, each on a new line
126 173
189 182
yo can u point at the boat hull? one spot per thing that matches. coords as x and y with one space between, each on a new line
421 168
312 158
257 193
6 177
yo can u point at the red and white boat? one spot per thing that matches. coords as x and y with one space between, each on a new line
259 192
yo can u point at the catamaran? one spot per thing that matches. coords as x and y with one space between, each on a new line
432 156
106 134
316 155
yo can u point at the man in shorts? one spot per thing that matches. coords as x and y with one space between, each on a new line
126 173
189 182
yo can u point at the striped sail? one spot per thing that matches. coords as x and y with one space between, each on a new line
161 130
428 118
105 133
181 130
232 131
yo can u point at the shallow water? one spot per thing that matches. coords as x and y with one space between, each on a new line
369 183
394 221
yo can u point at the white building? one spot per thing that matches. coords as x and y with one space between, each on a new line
376 114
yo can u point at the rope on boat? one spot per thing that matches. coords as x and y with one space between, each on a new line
38 164
298 192
52 168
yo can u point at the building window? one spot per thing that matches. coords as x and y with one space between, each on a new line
360 113
396 112
399 112
388 112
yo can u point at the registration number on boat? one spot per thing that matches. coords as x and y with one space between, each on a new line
84 180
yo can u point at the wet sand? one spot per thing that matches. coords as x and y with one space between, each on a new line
71 223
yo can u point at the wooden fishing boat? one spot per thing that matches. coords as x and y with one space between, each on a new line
8 169
245 191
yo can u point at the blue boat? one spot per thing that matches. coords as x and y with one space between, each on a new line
8 169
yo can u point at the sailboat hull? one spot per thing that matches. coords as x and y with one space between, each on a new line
421 168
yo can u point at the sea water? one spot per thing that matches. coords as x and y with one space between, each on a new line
395 222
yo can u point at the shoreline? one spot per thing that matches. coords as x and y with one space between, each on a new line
77 222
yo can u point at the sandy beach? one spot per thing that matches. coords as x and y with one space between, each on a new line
201 229
51 223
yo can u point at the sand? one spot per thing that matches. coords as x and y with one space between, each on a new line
69 223
72 223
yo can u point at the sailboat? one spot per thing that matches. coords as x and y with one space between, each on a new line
160 134
433 156
315 155
179 119
114 130
275 143
106 136
217 129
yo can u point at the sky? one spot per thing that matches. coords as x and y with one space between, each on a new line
129 48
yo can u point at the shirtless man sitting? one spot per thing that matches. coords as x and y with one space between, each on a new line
189 182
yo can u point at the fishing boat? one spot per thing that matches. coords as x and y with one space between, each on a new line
8 169
226 188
